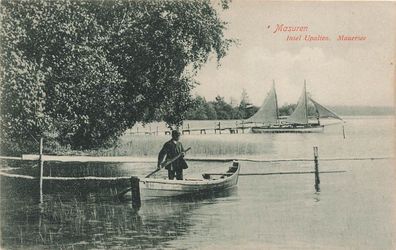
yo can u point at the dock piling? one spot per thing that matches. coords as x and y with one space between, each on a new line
317 180
135 191
41 170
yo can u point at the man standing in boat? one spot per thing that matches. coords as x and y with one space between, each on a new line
170 150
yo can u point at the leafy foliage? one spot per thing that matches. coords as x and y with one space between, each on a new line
287 109
85 71
246 109
220 109
223 110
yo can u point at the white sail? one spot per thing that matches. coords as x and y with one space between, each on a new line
268 112
323 111
300 114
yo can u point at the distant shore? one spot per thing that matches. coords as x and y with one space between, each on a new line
363 110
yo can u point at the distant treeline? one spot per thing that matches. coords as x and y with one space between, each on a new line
219 109
362 110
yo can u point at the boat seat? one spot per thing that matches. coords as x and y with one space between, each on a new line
193 179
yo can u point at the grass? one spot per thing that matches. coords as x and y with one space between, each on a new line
201 145
67 223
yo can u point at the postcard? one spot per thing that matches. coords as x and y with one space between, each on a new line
129 124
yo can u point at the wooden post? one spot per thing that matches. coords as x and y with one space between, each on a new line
343 131
317 180
150 129
243 129
135 191
41 170
219 128
215 128
137 130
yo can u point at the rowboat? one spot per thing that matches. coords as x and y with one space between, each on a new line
151 188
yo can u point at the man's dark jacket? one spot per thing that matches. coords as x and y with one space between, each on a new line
172 149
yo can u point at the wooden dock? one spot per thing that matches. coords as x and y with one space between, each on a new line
218 128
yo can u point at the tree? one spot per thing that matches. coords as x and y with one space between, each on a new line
88 70
287 109
210 111
198 111
201 110
23 90
245 108
224 111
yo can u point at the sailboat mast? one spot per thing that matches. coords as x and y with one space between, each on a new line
306 102
276 102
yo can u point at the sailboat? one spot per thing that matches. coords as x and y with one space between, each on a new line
298 122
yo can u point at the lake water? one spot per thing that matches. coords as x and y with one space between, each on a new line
354 210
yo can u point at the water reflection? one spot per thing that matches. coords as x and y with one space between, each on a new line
67 220
277 211
317 196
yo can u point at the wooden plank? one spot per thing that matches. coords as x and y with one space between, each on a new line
17 176
28 157
66 178
10 158
127 178
218 174
83 158
296 172
131 159
86 178
221 159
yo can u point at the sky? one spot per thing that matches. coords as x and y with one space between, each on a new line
354 73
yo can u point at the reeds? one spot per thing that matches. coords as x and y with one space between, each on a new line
202 145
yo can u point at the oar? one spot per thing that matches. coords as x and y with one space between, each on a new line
167 163
120 194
